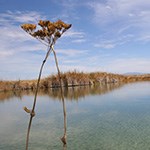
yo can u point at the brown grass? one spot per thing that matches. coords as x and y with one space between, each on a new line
73 79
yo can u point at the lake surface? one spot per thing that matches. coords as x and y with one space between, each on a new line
106 117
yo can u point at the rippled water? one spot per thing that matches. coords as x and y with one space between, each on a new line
112 117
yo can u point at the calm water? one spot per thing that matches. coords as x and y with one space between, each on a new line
112 117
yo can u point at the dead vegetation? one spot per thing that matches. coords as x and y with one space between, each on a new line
70 79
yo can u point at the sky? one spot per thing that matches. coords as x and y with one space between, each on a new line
106 36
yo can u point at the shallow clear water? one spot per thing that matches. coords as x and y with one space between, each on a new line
114 117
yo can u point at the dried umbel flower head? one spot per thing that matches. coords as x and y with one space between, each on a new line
49 32
60 24
43 23
28 27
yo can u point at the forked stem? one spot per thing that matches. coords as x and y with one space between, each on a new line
49 33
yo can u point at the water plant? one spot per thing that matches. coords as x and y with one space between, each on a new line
48 34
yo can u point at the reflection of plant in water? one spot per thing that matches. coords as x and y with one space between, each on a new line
48 34
79 92
71 93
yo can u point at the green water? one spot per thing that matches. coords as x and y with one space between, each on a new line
112 117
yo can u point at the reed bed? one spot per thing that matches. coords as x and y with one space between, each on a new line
71 79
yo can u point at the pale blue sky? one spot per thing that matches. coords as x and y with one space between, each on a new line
106 35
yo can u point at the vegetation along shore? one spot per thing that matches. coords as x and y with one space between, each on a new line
70 79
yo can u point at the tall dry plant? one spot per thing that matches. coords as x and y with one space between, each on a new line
48 34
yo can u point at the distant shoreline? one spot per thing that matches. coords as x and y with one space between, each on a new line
70 79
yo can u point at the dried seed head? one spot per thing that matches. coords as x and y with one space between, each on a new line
67 26
57 34
44 23
49 30
28 27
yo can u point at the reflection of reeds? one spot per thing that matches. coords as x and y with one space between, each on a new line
69 93
74 93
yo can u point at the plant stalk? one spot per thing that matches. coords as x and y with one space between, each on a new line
32 113
64 138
